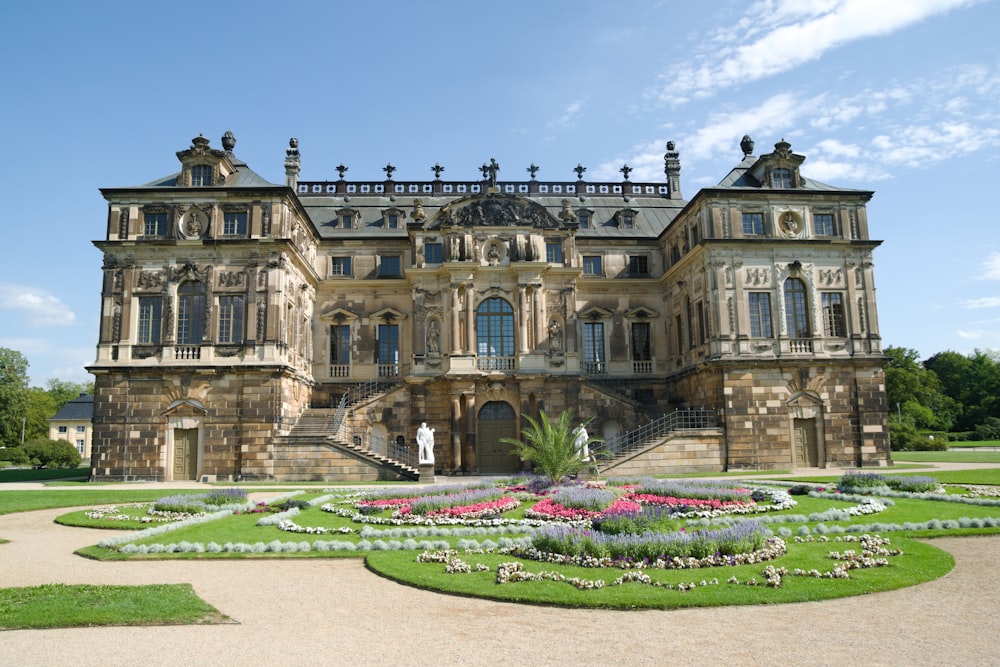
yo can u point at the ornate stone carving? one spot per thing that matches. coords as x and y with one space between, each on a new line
265 219
150 280
727 230
261 319
729 276
231 278
852 215
496 391
756 276
862 315
830 277
731 313
495 211
228 350
123 216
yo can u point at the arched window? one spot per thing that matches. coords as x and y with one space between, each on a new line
796 309
495 334
191 313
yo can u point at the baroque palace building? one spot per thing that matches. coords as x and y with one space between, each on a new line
304 330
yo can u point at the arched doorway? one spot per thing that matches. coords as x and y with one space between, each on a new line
496 420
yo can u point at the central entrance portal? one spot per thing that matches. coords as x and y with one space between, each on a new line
185 453
496 420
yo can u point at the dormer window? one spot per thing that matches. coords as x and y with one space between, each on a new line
346 218
391 219
583 217
781 179
201 175
626 219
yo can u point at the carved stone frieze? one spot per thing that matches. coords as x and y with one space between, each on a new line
149 280
265 219
757 276
830 277
123 216
232 278
494 211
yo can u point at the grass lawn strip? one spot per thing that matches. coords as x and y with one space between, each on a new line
66 606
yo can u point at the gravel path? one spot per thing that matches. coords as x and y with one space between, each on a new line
312 612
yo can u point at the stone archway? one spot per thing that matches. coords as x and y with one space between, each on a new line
497 420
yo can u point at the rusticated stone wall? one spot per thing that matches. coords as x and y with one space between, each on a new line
237 414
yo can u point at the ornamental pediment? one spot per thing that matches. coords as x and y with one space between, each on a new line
493 210
338 315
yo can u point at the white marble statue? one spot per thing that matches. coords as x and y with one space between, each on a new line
580 441
425 440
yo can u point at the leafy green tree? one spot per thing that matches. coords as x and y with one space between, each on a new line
52 453
914 392
13 395
64 391
972 381
41 406
549 446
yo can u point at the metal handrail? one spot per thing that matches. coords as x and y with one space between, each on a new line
679 420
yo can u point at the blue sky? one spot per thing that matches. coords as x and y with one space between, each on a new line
898 97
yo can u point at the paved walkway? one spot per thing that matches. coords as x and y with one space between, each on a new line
324 612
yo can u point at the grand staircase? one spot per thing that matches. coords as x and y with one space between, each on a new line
680 439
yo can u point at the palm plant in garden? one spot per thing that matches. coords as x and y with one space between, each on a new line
550 446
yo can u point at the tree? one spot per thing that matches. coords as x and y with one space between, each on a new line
64 391
914 392
13 395
52 453
550 447
972 381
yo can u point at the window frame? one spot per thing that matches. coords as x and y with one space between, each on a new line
759 310
149 325
341 266
387 262
159 223
340 344
797 321
496 328
641 351
554 252
638 266
756 223
235 223
435 256
191 313
834 319
829 226
200 173
232 315
589 262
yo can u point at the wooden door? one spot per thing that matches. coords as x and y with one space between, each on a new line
185 453
806 449
496 421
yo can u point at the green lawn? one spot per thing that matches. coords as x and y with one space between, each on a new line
42 475
949 457
62 606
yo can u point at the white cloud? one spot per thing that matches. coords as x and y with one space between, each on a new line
982 302
776 36
970 335
570 114
991 267
42 308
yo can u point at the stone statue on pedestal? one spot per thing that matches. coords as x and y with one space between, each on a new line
425 440
580 441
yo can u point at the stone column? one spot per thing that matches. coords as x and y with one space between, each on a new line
456 341
538 311
456 434
469 459
470 308
522 325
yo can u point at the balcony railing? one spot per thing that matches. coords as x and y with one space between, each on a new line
496 363
800 345
187 352
340 370
388 370
595 367
642 367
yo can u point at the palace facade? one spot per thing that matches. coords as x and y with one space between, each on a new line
304 330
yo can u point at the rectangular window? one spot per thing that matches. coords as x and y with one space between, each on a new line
388 344
823 224
699 309
230 319
628 221
201 175
392 221
340 344
760 314
593 347
234 224
150 310
753 224
641 346
679 328
390 265
638 265
583 217
833 314
781 178
592 265
553 252
433 253
340 266
154 224
347 220
63 429
79 447
81 429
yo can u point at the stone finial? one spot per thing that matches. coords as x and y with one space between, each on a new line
625 170
672 170
533 169
418 213
579 169
567 214
341 170
199 143
228 141
746 145
437 169
388 169
292 163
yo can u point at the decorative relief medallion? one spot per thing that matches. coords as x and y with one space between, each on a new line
194 224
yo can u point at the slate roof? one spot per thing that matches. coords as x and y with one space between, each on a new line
243 177
78 409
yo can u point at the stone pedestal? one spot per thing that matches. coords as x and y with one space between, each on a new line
426 473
